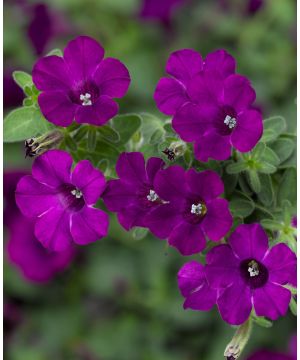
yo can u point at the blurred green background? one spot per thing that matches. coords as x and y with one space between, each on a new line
119 300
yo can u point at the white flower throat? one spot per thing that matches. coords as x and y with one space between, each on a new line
230 121
77 193
85 99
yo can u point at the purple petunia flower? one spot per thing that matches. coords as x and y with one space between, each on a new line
212 106
61 201
190 209
251 274
12 93
159 10
294 221
132 195
24 250
80 85
194 287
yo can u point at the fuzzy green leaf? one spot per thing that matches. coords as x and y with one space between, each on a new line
266 195
126 126
109 133
283 148
22 79
236 168
288 187
273 127
241 206
254 181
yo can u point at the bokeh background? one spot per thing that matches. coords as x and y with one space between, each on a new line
117 299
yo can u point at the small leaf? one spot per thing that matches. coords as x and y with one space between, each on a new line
258 151
102 165
288 187
266 168
157 136
261 321
81 133
271 225
139 233
254 181
236 168
230 182
27 102
241 205
266 195
273 127
269 156
22 79
92 138
293 306
126 125
283 148
56 52
108 133
71 144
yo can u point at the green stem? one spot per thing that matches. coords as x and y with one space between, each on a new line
239 341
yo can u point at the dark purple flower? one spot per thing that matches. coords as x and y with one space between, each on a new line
80 85
61 201
269 355
251 274
254 6
132 195
159 10
36 263
191 209
294 221
194 287
12 93
212 106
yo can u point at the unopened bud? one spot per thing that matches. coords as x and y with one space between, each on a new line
37 146
239 341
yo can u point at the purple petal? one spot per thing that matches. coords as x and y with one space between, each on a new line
219 272
57 107
191 121
130 167
34 198
221 61
53 168
90 181
53 229
248 131
112 77
170 184
99 113
132 215
187 238
207 184
153 165
203 299
162 220
238 92
206 88
218 219
282 264
50 73
170 95
190 276
214 146
249 241
184 64
271 301
83 55
235 303
89 225
119 194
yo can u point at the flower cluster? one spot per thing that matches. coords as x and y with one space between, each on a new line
61 202
241 275
80 85
178 205
210 104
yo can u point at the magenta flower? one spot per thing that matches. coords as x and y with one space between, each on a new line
190 209
61 201
194 287
159 10
12 93
251 274
80 85
132 195
36 263
212 106
270 355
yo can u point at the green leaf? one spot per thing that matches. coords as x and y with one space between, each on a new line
261 321
92 138
273 127
22 79
24 123
230 182
293 306
139 233
270 157
102 165
241 205
258 151
81 133
266 168
283 148
271 225
126 125
236 168
56 52
71 144
254 181
266 195
157 136
288 187
109 133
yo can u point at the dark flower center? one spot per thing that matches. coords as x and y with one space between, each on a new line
85 94
226 120
194 211
254 273
71 197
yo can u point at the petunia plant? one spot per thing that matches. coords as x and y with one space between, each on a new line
210 175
